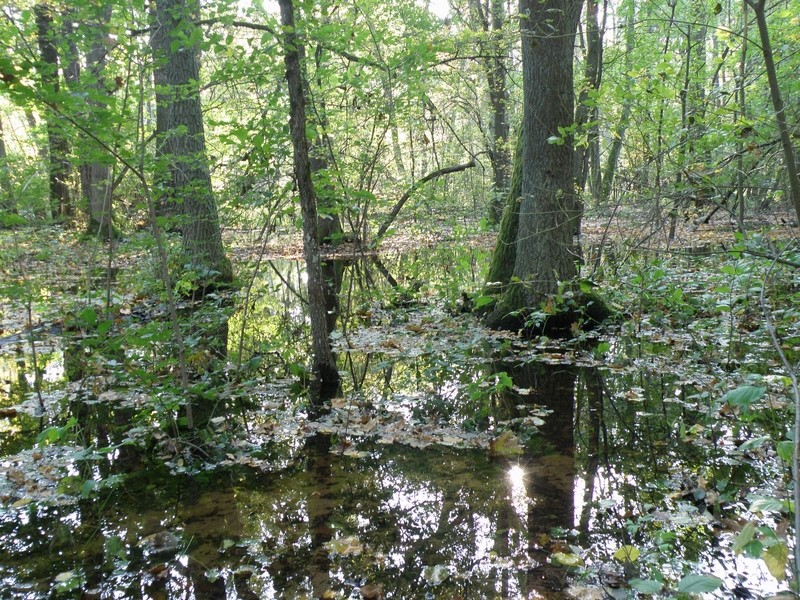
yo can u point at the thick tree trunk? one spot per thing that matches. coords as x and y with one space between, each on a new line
545 254
324 363
181 140
57 144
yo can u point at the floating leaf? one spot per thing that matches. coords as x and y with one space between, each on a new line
627 554
776 557
114 547
346 546
505 444
697 584
646 586
436 574
567 559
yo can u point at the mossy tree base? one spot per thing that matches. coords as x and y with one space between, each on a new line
562 317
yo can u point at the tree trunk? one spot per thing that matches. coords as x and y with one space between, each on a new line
7 203
324 363
545 254
777 103
329 224
181 141
498 97
505 251
57 144
610 169
586 110
95 174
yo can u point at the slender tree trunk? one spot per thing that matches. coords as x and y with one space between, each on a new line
777 103
182 144
505 251
324 363
492 18
586 110
57 144
742 100
610 169
6 199
95 173
329 224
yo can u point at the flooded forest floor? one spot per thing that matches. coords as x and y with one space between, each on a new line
645 459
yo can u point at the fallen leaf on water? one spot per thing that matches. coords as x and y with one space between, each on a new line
436 574
505 444
346 546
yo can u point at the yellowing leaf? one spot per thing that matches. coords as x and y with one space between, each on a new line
567 559
775 557
627 554
505 444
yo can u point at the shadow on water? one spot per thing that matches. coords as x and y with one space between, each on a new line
389 503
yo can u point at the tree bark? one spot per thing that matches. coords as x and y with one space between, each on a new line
777 103
323 362
586 110
495 68
7 203
57 144
545 255
95 174
181 142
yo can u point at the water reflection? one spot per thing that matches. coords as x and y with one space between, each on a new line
319 513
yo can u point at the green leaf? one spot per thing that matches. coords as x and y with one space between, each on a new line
481 301
776 557
744 396
646 586
745 537
627 554
697 584
755 443
767 504
785 450
114 547
436 574
89 316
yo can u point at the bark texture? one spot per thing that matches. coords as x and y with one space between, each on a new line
96 174
324 362
181 138
57 144
548 212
